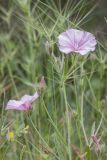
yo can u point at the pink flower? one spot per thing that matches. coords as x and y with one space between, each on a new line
23 104
73 40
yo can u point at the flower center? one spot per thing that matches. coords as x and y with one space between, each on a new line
27 105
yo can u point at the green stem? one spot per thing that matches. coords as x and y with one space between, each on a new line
68 124
82 109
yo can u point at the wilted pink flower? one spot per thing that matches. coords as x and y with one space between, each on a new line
73 40
23 104
97 143
42 83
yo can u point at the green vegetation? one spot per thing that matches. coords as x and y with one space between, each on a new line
68 121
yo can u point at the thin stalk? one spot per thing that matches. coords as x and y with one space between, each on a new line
68 123
82 109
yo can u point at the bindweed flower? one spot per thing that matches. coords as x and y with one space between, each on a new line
24 104
76 41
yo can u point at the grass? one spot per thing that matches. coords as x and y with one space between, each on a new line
72 107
